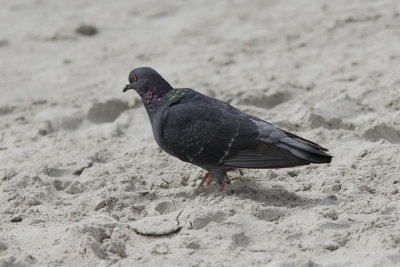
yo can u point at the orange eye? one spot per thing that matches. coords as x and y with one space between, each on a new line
134 78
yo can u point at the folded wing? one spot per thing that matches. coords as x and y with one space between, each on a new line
214 133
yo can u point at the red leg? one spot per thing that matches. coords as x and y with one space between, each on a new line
221 187
208 177
210 180
205 178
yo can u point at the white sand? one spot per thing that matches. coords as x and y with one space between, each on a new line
326 70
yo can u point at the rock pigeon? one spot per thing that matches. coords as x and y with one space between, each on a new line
214 135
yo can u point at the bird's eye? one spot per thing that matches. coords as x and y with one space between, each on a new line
134 77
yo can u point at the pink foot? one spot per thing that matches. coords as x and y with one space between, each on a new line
221 187
209 178
206 177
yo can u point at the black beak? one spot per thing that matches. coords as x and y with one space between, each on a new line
127 87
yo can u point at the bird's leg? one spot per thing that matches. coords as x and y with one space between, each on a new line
221 178
210 179
206 177
221 187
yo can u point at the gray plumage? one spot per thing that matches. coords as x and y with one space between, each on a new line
214 135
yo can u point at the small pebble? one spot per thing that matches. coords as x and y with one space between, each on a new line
16 219
331 246
336 187
87 30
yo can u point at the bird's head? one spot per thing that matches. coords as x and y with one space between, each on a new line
147 83
150 85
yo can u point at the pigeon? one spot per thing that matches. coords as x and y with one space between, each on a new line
214 135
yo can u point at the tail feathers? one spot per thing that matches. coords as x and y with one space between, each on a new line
303 149
305 141
284 152
264 156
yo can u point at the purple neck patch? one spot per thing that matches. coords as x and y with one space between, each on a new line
151 97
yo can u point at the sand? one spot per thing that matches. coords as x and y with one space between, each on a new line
83 183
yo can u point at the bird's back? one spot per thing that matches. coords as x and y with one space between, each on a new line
206 131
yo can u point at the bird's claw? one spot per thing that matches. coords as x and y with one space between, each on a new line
209 178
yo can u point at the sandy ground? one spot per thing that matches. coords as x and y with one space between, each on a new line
82 181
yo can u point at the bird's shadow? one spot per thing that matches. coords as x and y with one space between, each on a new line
279 197
276 196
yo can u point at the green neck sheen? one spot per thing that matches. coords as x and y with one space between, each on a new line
171 96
